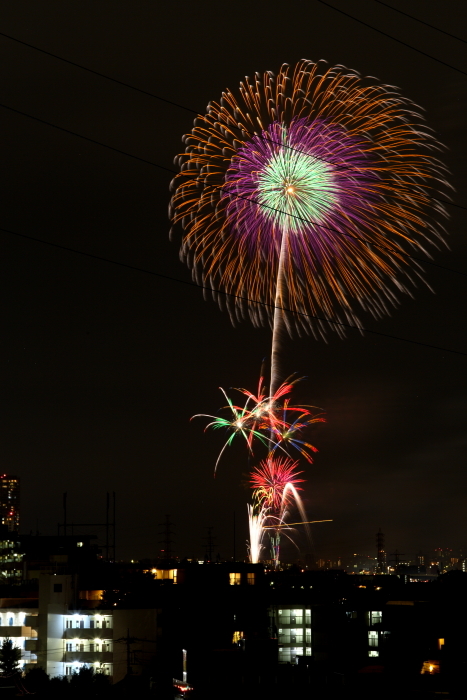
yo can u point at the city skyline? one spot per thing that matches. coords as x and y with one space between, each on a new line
104 366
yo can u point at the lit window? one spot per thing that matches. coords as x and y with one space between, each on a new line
79 544
296 617
235 579
237 637
250 579
440 643
373 639
373 653
296 635
376 617
430 667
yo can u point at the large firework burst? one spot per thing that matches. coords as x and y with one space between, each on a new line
319 172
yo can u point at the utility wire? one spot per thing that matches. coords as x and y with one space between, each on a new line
95 72
176 104
171 170
417 19
229 294
389 36
350 235
86 138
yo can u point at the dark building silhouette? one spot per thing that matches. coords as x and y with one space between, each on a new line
382 563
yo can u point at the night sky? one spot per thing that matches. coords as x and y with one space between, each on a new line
102 367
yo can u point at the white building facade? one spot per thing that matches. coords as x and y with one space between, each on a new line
69 638
293 624
64 629
19 625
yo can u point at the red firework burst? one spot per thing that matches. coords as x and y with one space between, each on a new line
270 478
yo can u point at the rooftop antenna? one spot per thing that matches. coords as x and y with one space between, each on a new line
166 537
210 541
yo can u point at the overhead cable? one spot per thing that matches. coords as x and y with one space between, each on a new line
237 296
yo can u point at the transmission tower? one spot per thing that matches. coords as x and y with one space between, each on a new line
210 542
166 537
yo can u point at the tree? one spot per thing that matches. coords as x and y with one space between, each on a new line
9 658
36 680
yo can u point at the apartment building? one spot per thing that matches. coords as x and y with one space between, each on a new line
19 623
11 557
293 627
73 630
70 637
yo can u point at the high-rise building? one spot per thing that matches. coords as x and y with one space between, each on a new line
9 501
382 562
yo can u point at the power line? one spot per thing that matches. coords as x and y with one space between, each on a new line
417 19
171 170
350 235
95 72
236 296
132 87
389 36
87 138
174 104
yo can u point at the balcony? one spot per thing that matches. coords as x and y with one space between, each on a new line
16 631
32 621
88 657
87 633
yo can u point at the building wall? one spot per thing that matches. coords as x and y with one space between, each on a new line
293 624
70 638
11 557
141 625
19 625
9 501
